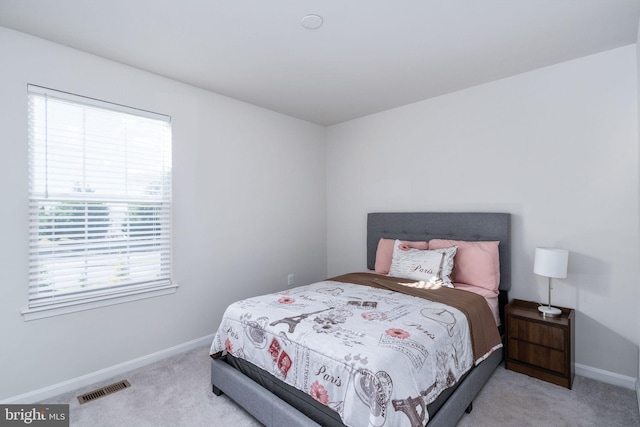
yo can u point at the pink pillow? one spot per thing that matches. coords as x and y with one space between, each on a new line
476 263
384 254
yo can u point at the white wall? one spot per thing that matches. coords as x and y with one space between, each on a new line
556 147
249 197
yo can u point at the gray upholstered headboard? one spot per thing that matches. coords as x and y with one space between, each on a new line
443 225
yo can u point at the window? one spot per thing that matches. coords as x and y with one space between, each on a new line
99 203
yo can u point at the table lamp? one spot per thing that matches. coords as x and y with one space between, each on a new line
550 262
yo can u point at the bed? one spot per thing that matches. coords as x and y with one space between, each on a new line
273 402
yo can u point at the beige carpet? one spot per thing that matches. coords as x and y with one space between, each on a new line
513 399
176 392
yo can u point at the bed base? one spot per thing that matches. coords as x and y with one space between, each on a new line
272 411
255 399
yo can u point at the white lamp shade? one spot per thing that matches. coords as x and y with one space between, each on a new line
551 262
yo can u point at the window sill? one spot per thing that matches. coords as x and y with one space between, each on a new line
103 301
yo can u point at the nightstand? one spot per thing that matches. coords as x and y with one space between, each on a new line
539 346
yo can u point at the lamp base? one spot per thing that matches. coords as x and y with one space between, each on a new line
549 311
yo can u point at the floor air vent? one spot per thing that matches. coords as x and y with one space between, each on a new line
95 394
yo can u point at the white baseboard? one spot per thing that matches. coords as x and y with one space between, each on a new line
103 374
607 377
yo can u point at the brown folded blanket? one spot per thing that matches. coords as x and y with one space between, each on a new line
482 325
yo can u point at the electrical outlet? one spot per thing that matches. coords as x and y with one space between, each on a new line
290 280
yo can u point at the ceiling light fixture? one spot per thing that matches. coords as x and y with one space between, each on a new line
312 22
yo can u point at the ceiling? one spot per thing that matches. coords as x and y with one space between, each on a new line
369 56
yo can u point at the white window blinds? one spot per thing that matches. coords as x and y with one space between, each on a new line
100 200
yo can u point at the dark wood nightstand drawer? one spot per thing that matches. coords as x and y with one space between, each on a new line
537 333
541 356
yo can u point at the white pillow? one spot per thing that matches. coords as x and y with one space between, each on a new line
433 266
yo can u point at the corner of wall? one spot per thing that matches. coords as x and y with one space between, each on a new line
638 72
